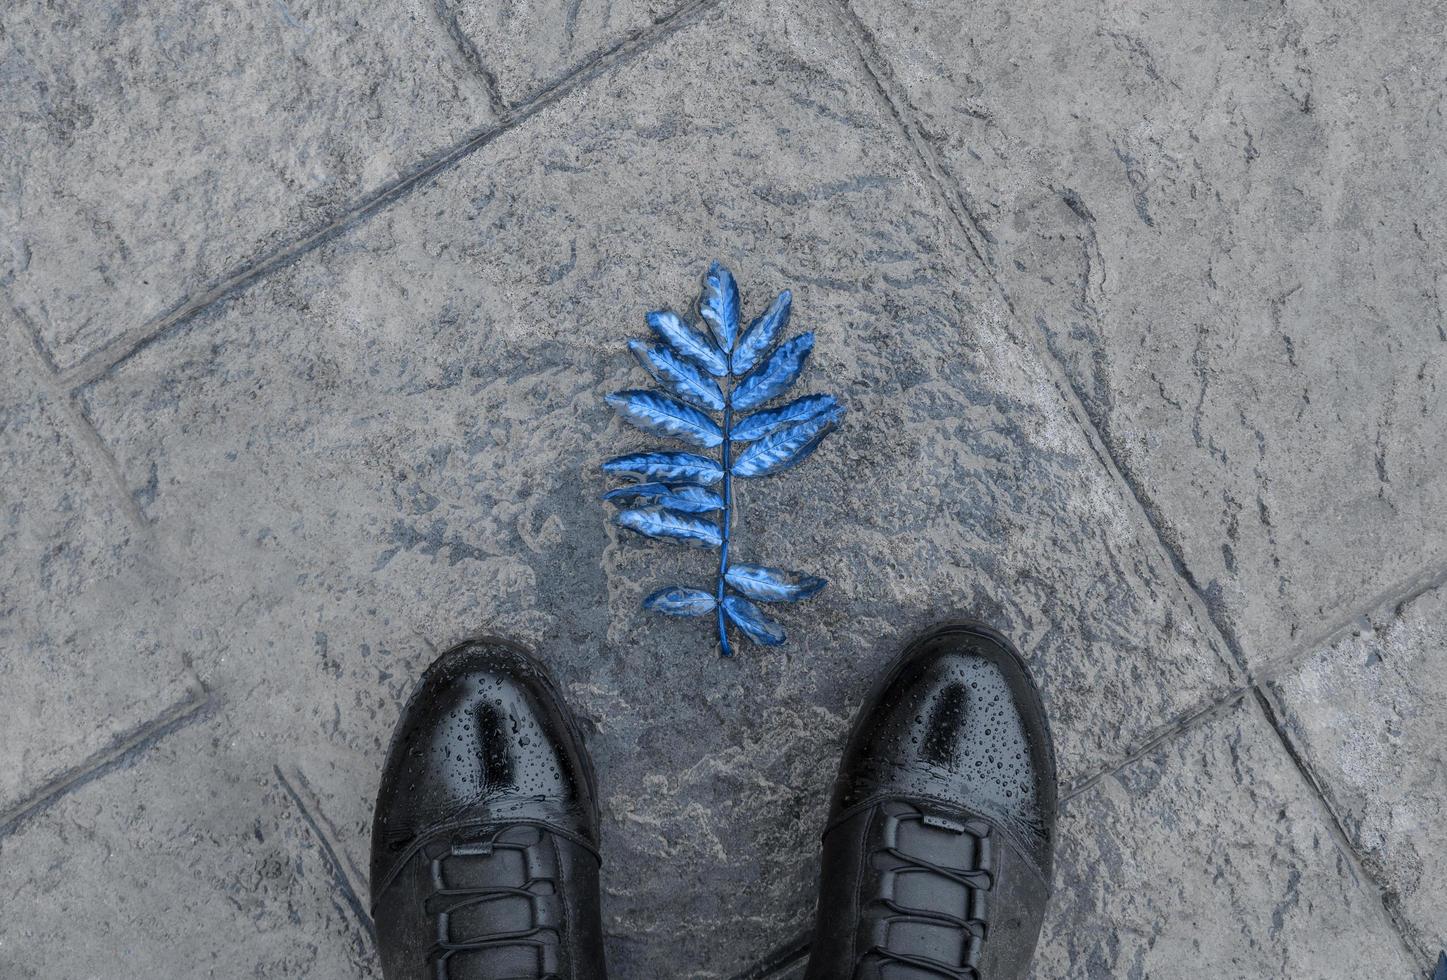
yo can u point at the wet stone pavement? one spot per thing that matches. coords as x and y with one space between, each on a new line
309 312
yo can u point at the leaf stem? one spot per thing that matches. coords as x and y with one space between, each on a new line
728 498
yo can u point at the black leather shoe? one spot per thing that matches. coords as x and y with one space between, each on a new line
938 854
485 841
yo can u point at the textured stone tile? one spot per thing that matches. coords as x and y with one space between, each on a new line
1368 715
1224 222
191 861
86 655
1211 857
398 437
153 148
527 45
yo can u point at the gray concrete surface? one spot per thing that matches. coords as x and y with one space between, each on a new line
310 312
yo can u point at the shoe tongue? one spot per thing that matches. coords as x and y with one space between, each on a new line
498 891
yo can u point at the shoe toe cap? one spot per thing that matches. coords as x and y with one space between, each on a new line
959 722
484 736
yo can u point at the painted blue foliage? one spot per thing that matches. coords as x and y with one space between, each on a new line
678 375
761 335
751 619
668 467
689 342
667 416
776 375
672 496
688 498
787 447
659 522
772 584
678 601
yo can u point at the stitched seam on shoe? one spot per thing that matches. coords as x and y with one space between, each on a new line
566 924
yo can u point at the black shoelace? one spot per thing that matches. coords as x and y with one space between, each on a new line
446 901
977 881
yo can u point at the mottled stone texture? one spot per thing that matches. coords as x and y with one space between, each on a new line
187 864
526 45
1211 857
150 148
86 655
1216 243
408 425
1369 713
1227 224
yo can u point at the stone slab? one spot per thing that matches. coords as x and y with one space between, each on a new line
87 659
1368 714
528 45
1212 857
1223 221
154 148
394 443
191 861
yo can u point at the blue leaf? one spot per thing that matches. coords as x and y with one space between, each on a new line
679 601
688 342
761 335
687 498
760 424
691 499
672 467
772 584
657 522
678 375
787 447
751 619
720 306
636 491
775 375
1440 973
666 416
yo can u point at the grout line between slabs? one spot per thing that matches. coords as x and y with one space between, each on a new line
124 749
98 364
342 871
876 68
1272 713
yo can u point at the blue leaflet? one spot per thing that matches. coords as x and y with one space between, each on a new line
688 342
666 416
673 489
775 375
678 375
761 335
751 619
772 584
679 601
760 424
787 447
691 499
685 497
671 467
656 522
720 306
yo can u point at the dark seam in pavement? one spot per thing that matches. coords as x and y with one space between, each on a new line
329 854
125 749
82 428
471 56
1335 827
954 200
101 362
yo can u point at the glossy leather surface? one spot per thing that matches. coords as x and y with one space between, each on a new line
484 842
938 856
